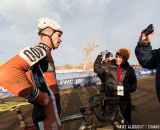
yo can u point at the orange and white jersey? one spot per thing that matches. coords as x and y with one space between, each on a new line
43 76
13 77
49 73
13 72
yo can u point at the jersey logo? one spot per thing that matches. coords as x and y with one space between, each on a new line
32 55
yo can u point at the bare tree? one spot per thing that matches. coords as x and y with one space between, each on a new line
88 50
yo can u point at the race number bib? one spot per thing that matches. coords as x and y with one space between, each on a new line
120 90
32 54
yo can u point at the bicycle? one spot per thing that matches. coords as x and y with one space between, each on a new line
94 107
86 113
106 109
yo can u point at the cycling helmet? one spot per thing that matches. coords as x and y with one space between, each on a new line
46 22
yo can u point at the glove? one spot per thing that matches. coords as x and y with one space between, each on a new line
38 113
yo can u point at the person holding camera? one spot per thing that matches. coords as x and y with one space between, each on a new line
147 57
102 58
119 80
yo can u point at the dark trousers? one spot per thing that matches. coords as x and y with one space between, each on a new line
125 106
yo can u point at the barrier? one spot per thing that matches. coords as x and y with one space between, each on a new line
89 78
79 82
81 79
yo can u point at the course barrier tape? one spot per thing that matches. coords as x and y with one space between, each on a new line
6 106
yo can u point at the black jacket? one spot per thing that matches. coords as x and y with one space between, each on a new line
149 59
109 73
97 66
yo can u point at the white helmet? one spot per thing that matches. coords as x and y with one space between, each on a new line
46 22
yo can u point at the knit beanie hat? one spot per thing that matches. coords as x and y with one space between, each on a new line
124 52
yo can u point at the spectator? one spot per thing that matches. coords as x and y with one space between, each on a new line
149 58
120 80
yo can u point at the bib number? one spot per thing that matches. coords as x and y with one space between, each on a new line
120 90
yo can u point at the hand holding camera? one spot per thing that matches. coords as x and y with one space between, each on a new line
149 30
146 34
104 54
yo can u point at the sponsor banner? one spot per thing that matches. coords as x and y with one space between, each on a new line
79 82
80 79
140 72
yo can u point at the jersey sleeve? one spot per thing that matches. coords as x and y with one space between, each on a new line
13 73
32 55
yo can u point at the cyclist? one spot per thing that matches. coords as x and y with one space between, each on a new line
13 73
120 80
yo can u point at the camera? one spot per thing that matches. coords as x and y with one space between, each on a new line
148 30
105 52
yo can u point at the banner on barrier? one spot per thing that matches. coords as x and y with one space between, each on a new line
81 79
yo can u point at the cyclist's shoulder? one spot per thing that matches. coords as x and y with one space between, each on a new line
33 55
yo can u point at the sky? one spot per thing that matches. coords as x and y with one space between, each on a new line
110 23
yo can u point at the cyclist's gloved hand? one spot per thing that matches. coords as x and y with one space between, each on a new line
38 113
